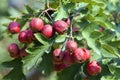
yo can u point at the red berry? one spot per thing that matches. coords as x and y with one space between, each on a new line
36 24
26 36
22 36
68 58
101 29
59 67
14 27
23 53
48 31
94 68
67 21
58 56
13 49
60 26
87 52
75 29
80 55
71 45
87 78
30 36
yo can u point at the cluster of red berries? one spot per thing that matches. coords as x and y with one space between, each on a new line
27 36
15 51
62 59
72 54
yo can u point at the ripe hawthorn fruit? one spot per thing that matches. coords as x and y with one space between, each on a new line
75 29
48 31
87 78
23 53
14 27
71 45
87 52
36 24
101 29
94 68
59 67
79 55
60 26
68 58
30 36
26 36
58 56
22 36
67 21
13 49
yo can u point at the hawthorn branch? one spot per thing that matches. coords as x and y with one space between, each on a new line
71 28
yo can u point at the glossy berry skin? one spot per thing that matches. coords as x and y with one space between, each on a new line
36 24
71 45
75 29
58 56
23 53
59 67
26 36
68 58
30 36
68 21
60 26
13 49
14 27
48 31
101 29
87 52
80 56
94 68
22 36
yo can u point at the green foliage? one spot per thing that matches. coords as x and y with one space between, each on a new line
17 70
88 17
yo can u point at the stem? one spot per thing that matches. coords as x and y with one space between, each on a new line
15 19
63 46
41 13
48 4
46 11
49 16
71 27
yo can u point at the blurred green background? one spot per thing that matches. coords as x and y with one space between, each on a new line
13 8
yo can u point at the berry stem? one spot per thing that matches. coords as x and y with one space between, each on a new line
49 16
64 44
71 31
15 19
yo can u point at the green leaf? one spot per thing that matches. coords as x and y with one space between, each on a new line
80 6
13 63
60 38
90 41
110 50
115 43
108 78
17 72
79 1
104 22
95 34
61 13
90 17
69 73
115 70
35 56
46 65
29 9
41 38
107 36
